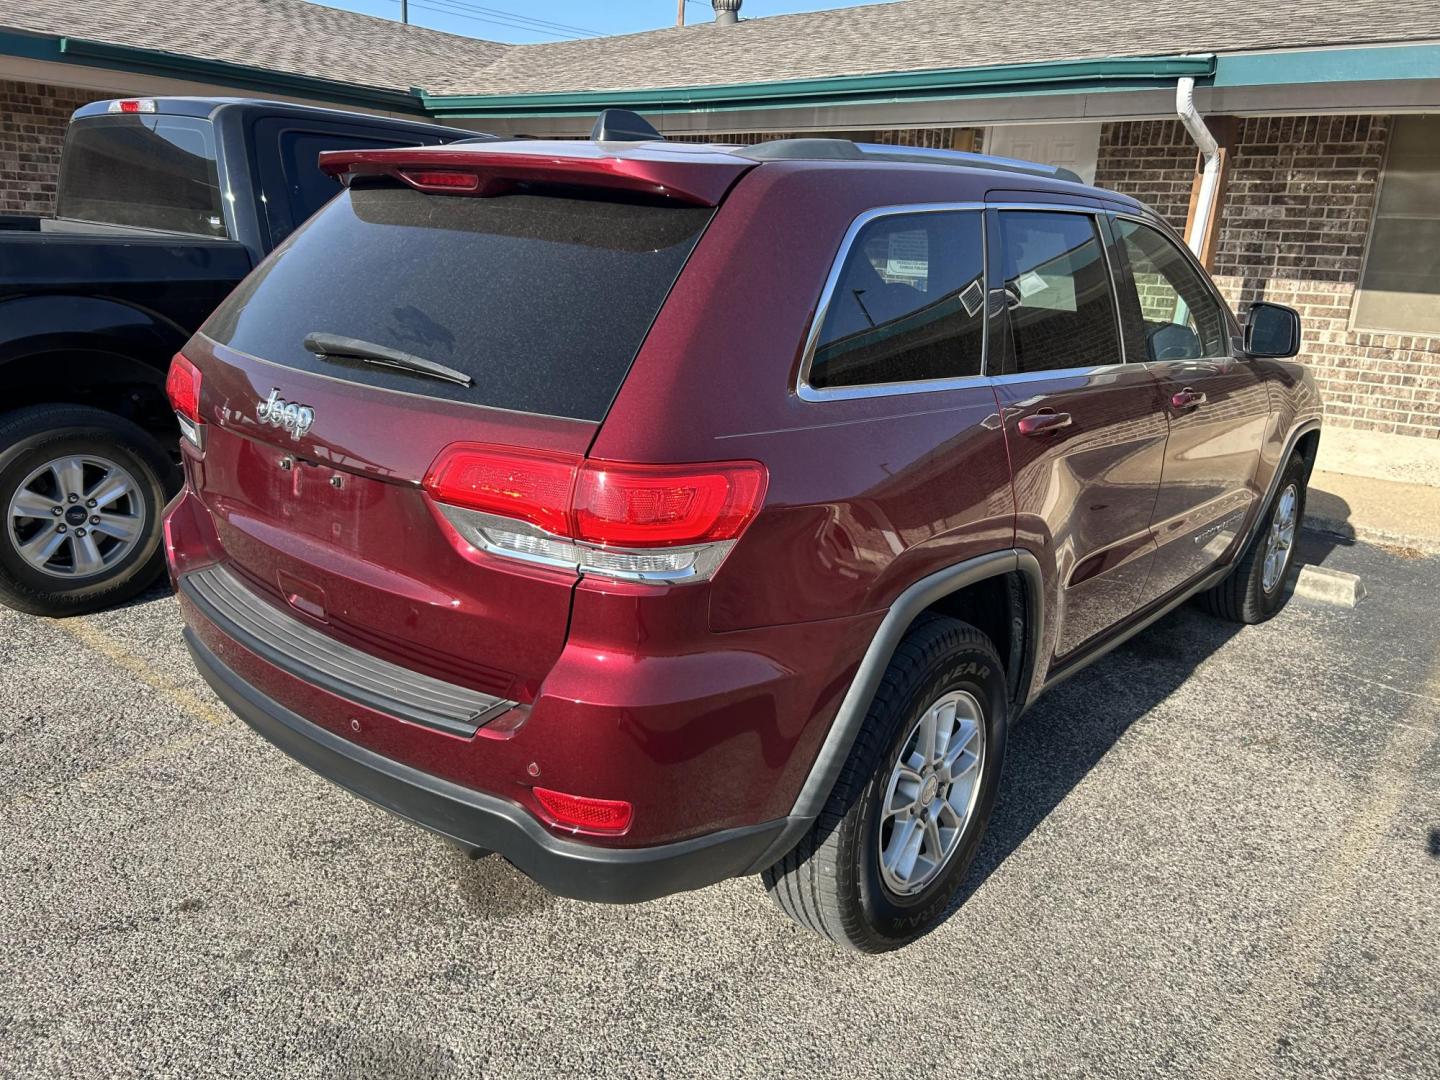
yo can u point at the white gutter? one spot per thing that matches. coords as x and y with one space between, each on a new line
1210 151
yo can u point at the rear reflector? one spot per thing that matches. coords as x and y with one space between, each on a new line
619 519
579 812
441 180
182 387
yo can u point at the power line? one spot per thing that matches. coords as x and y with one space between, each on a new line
529 18
495 17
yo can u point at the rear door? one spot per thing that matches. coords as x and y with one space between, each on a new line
1216 403
313 467
1085 430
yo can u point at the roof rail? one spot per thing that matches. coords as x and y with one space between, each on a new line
846 150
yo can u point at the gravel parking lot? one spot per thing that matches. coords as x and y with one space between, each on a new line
1217 854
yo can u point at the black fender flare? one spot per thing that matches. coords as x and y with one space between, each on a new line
902 613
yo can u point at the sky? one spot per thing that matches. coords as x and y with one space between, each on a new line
553 20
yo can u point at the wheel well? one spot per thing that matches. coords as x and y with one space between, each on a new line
997 608
1308 446
112 382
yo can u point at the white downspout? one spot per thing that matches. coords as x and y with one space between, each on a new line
1210 151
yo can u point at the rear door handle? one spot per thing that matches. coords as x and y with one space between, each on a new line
1044 423
1187 399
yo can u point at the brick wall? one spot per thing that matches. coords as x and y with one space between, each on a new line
930 138
32 124
1294 226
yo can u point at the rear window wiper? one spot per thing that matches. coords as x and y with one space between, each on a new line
327 346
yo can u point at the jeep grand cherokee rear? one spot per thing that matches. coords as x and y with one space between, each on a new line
644 513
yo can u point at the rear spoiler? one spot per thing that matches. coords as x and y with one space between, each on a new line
690 177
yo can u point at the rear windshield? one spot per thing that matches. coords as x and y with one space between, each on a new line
543 299
154 172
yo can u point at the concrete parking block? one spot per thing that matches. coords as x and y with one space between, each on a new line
1325 586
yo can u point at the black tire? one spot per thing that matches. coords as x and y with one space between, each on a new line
28 439
831 882
1242 597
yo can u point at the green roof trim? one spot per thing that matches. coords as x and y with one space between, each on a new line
1071 76
1372 64
69 50
176 65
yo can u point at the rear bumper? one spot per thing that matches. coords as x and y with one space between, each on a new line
567 867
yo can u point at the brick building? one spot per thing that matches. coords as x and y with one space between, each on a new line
1326 115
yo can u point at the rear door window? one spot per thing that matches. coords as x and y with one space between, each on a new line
542 299
1059 292
907 304
142 169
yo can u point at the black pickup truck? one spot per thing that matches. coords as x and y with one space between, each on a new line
164 204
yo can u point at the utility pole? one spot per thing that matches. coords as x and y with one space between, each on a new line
679 12
404 11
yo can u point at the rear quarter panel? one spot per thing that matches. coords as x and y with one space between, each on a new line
866 495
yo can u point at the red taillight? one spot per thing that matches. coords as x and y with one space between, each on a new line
527 485
579 812
182 387
607 503
441 180
658 505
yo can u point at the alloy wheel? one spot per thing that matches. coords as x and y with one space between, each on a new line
1281 539
76 516
931 793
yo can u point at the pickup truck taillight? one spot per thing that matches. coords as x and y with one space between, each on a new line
646 523
182 387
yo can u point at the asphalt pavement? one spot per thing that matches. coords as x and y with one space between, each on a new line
1216 855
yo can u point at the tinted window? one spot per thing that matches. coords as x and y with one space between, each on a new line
1062 309
544 300
156 172
306 187
1400 288
1179 317
908 303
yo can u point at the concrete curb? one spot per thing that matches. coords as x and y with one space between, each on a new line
1348 532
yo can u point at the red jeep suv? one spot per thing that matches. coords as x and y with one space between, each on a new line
654 514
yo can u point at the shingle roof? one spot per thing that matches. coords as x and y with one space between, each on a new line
279 35
914 35
297 37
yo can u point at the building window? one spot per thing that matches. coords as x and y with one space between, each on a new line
1400 287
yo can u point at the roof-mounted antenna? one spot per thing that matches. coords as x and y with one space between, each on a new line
622 125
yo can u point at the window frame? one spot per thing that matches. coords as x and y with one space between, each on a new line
1354 324
1125 277
806 392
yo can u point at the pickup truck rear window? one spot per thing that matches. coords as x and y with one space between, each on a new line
149 171
542 299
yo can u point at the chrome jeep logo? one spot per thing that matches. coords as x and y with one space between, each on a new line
277 412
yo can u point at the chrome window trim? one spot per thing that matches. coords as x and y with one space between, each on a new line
806 392
1049 374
